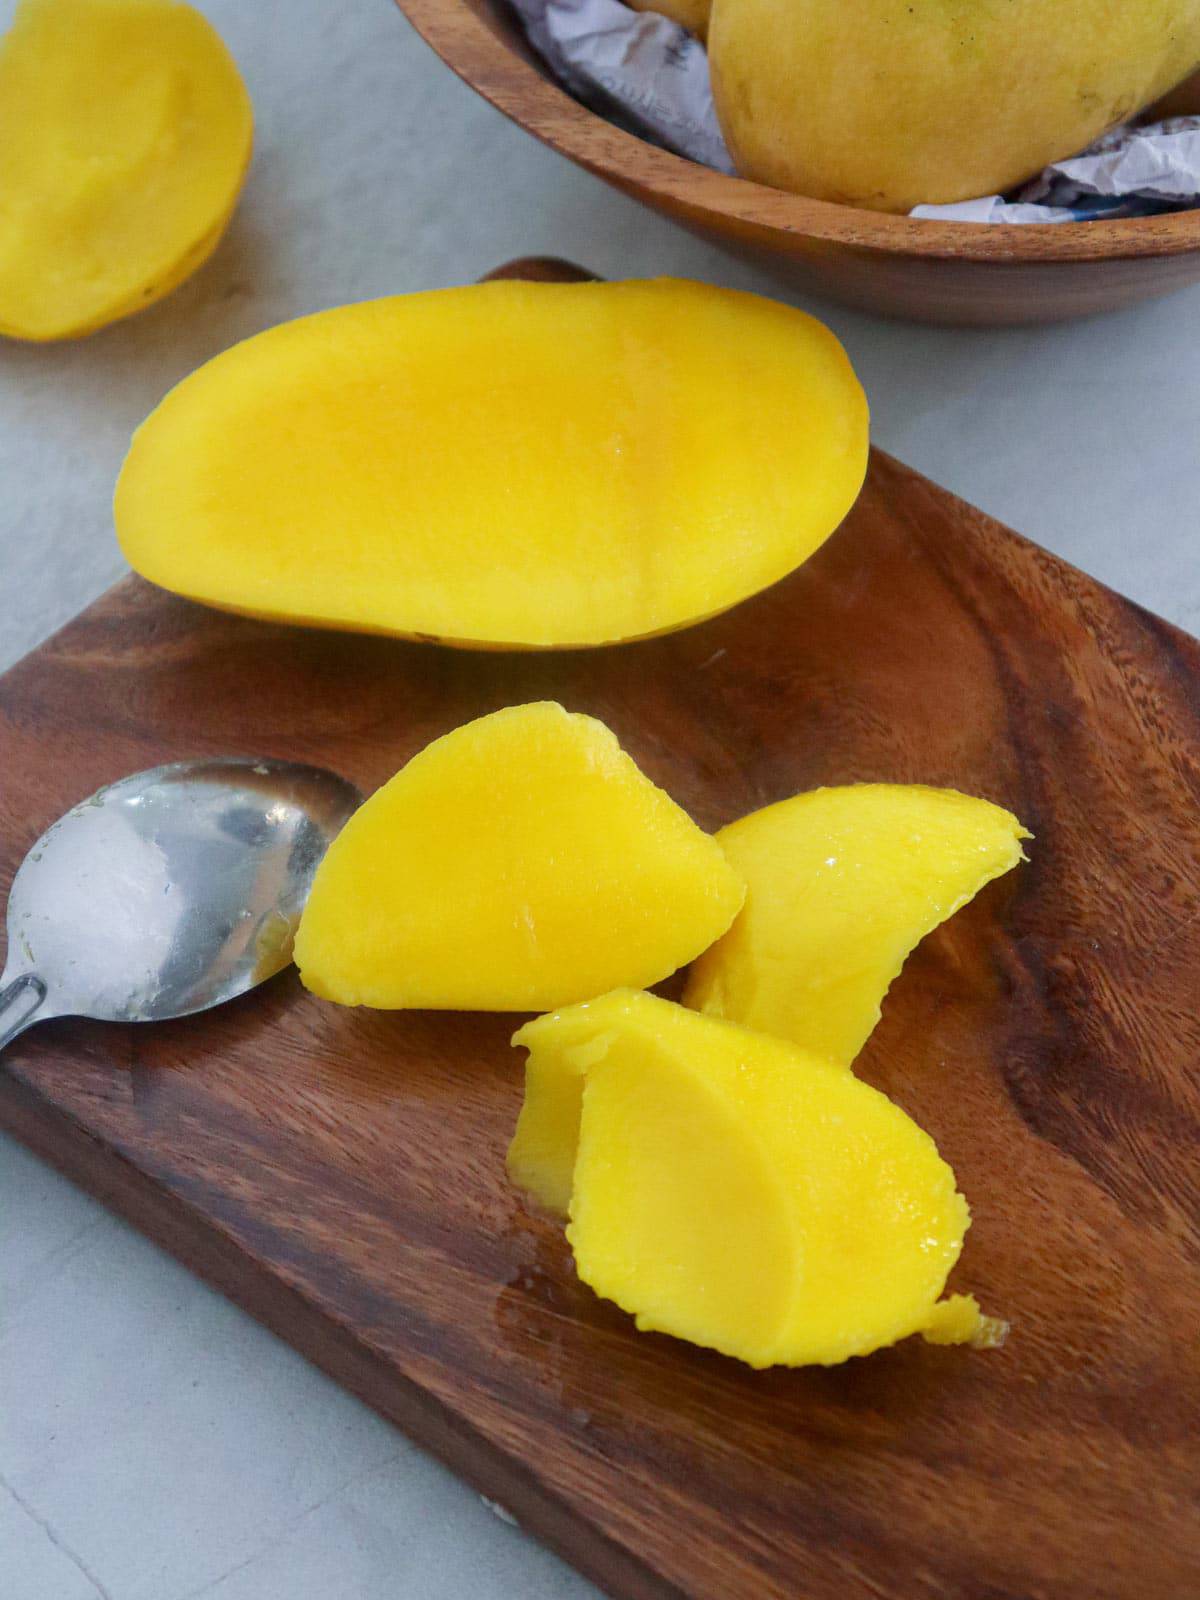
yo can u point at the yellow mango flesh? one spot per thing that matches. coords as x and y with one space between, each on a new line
521 862
890 104
842 884
507 464
125 134
735 1191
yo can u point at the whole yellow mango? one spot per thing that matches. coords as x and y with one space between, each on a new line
125 134
841 884
732 1190
508 464
519 862
890 104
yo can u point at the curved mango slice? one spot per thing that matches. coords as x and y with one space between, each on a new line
523 465
841 885
520 862
732 1190
125 134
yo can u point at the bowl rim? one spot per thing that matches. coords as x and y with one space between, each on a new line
476 49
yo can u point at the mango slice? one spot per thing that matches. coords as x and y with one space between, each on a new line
522 861
735 1191
125 134
841 885
522 465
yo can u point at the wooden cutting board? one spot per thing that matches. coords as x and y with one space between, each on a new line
340 1173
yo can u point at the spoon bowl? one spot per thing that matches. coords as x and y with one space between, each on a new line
168 892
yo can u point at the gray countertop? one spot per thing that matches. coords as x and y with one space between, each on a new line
154 1443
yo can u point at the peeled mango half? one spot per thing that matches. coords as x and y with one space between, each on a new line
522 465
735 1191
125 134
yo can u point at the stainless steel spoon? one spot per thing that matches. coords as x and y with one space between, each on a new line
168 892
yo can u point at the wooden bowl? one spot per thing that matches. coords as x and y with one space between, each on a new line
963 273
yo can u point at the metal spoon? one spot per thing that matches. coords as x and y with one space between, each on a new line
168 892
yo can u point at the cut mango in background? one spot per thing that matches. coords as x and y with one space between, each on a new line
522 861
507 464
125 134
735 1191
842 884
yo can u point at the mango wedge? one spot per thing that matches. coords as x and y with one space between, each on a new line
125 134
841 885
516 465
520 862
737 1192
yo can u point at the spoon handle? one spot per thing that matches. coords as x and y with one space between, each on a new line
20 1001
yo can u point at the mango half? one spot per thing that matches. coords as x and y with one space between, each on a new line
508 464
125 134
520 862
842 884
737 1192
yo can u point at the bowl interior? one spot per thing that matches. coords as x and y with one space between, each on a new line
483 42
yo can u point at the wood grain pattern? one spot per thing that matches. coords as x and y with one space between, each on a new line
900 266
340 1173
